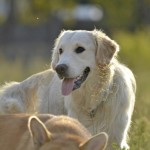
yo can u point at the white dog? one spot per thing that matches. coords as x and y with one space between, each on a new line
86 82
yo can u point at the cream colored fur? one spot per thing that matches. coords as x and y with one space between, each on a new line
103 103
47 132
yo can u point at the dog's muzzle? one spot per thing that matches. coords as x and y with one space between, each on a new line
70 84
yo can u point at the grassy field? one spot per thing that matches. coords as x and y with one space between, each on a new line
135 52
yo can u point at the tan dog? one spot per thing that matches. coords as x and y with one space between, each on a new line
24 132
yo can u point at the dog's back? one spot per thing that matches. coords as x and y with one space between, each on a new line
45 132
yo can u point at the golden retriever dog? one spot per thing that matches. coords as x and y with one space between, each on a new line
86 82
47 132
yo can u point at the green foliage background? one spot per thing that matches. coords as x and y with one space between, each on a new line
127 27
135 53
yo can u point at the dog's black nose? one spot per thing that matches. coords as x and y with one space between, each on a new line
61 69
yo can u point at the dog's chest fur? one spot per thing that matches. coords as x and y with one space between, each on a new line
95 120
95 113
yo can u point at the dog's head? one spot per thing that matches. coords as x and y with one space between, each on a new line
64 133
77 53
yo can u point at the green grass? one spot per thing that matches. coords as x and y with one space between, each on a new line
135 52
17 70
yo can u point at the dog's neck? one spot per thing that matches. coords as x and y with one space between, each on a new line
101 85
96 89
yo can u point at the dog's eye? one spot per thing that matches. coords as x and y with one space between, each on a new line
60 51
79 50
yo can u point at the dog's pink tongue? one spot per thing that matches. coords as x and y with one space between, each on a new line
67 86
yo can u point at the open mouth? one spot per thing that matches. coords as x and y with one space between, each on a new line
70 84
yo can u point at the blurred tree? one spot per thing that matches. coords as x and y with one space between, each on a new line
47 8
128 14
83 1
11 21
12 13
117 14
142 12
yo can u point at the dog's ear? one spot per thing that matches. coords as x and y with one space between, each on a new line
55 53
97 142
55 58
38 131
106 48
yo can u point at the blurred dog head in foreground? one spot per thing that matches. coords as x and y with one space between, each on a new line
46 132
